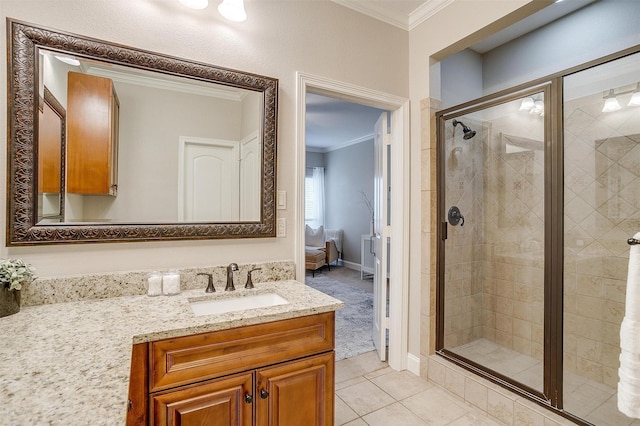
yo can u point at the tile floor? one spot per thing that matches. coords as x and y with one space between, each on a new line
368 392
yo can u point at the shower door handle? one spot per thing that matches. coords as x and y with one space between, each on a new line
455 216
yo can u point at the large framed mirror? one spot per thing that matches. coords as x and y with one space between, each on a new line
154 147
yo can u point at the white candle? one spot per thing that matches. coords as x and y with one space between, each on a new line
171 283
154 284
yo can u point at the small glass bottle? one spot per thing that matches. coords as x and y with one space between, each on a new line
171 283
154 284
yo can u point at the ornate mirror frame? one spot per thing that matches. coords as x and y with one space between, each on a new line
23 42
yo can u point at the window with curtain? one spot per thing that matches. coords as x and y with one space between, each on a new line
314 197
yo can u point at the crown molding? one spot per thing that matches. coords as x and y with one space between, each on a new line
400 20
426 11
397 19
364 138
159 83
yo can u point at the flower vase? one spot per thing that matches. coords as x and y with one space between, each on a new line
9 301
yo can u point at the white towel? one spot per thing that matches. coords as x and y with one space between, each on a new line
629 371
630 332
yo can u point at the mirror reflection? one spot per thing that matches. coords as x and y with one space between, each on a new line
145 147
51 158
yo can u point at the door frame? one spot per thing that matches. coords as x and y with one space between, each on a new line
400 149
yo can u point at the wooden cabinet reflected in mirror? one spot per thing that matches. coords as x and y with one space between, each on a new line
193 153
51 159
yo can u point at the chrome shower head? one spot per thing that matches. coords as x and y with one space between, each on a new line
468 133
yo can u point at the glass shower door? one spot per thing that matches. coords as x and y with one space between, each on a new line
493 268
601 211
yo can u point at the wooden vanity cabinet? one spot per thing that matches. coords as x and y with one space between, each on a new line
279 373
92 135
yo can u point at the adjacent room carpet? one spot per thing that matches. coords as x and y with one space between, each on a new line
354 322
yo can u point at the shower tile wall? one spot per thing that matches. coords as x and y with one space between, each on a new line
602 210
463 270
494 267
513 274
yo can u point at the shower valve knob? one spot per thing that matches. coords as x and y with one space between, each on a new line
455 216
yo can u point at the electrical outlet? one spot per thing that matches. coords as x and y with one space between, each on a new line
281 229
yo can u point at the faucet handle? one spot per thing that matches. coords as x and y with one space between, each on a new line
249 283
210 287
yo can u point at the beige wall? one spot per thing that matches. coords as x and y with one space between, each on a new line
278 39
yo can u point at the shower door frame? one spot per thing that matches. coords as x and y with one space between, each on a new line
552 281
552 395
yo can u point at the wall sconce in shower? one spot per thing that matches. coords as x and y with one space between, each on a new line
532 106
611 101
635 98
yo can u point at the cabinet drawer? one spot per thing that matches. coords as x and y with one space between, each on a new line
203 356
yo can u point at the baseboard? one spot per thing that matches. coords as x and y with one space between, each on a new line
413 364
351 265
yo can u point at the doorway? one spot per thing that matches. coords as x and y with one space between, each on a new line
398 230
340 194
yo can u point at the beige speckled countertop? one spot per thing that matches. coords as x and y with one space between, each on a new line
68 363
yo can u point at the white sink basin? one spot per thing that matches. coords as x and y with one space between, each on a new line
220 306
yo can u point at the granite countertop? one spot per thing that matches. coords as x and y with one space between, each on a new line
68 363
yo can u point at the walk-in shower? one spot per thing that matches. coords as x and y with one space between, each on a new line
534 220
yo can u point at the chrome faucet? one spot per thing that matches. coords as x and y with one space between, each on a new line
232 267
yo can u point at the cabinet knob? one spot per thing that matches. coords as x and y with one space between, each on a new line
264 394
248 398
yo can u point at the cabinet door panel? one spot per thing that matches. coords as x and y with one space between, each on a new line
213 403
92 124
297 393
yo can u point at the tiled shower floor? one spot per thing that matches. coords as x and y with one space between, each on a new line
592 401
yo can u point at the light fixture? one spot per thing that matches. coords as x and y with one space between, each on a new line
68 60
538 108
195 4
611 102
527 104
635 98
233 10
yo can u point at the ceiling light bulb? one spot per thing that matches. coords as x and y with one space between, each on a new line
68 60
610 105
635 98
527 104
233 10
195 4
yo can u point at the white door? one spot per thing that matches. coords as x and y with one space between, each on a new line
250 174
380 235
208 180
